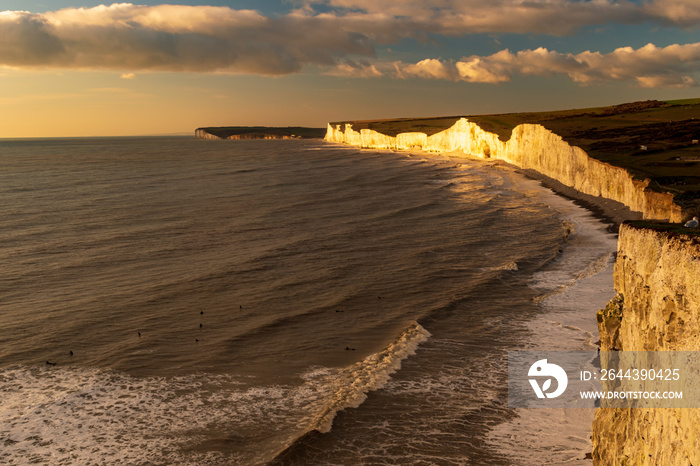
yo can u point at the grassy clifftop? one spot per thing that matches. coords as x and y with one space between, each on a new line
651 139
263 132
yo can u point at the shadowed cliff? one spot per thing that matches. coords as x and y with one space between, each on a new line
259 132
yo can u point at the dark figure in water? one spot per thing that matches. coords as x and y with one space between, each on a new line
200 325
50 363
70 352
201 313
139 334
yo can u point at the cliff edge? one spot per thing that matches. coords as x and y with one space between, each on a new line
657 308
530 146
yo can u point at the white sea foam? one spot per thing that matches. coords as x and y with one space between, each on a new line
78 416
437 410
350 386
572 289
68 416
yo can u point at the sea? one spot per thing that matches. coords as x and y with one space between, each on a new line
168 300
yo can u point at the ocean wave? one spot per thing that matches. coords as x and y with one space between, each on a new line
88 416
588 337
597 266
372 373
544 280
245 170
511 266
349 388
406 211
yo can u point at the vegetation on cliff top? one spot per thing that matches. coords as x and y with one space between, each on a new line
261 132
670 229
650 139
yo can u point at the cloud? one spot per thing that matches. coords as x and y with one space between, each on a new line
428 68
355 69
556 17
174 38
674 12
128 76
493 69
109 90
648 66
340 37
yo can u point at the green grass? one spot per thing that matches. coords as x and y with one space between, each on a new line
683 101
668 228
260 131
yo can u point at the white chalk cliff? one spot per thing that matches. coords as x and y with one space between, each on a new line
657 278
530 146
204 134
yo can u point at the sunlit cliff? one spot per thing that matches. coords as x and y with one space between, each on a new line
657 274
531 146
657 308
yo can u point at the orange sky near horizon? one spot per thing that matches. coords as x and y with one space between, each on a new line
151 69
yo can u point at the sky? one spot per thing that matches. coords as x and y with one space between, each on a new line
88 68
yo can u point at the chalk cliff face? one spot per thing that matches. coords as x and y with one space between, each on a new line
657 277
203 134
533 147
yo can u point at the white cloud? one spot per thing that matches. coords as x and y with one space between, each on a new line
174 38
355 69
341 39
429 68
128 76
648 66
493 69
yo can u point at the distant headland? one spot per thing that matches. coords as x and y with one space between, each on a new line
259 132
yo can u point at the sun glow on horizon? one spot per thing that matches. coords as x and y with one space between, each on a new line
153 68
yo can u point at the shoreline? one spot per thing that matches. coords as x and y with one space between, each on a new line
568 317
533 148
607 210
566 321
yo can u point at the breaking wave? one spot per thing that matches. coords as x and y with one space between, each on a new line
592 268
349 387
91 416
353 384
